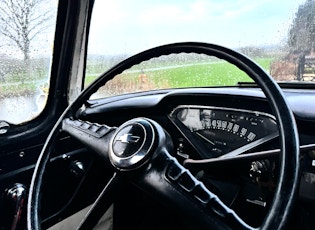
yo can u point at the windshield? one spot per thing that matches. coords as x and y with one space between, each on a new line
278 35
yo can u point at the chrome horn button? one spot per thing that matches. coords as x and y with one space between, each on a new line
131 144
129 140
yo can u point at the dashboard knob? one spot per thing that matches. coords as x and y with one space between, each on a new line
259 170
77 168
16 196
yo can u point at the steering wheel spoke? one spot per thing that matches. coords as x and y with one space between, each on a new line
178 189
103 202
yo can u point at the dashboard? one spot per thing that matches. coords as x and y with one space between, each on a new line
232 134
215 122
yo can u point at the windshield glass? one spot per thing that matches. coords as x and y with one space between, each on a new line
279 35
26 32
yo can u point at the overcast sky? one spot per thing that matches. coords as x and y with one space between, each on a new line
125 26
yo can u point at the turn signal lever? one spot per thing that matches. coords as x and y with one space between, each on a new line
16 197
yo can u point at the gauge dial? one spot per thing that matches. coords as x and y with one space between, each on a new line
226 132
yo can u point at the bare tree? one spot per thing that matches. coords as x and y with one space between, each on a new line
21 21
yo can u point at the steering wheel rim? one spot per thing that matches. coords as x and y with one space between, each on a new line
289 171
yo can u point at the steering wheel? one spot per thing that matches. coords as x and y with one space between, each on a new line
140 152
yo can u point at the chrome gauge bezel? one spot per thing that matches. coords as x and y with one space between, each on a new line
204 151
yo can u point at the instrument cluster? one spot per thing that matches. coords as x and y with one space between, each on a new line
224 132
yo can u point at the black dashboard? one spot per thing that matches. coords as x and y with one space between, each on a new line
222 120
232 129
246 109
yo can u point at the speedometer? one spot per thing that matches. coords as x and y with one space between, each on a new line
225 132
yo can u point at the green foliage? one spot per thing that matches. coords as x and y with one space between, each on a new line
12 90
302 31
20 79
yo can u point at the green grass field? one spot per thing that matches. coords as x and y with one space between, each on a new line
215 73
160 74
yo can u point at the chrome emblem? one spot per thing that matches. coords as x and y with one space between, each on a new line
128 138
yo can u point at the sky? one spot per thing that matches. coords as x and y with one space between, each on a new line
124 26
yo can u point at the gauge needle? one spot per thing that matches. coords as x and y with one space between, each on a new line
206 139
250 146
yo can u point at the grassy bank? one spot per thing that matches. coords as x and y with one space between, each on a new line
159 74
217 73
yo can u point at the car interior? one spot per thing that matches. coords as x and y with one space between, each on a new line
181 133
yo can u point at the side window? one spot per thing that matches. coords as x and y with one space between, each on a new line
26 45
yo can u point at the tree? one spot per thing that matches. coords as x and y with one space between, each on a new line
302 31
22 21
